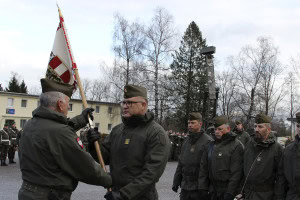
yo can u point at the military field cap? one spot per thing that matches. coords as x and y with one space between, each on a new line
195 116
134 91
237 122
220 120
54 86
298 117
262 118
6 124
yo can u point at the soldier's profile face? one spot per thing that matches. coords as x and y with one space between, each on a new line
194 126
239 127
133 106
64 105
222 130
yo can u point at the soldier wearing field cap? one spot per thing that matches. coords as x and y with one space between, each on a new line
13 138
261 162
52 157
220 170
187 171
136 150
242 135
289 171
5 143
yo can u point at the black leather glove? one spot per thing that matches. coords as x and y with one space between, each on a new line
228 196
93 136
114 195
175 188
203 194
86 113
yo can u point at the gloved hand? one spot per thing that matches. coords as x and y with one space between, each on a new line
114 195
175 188
228 196
203 194
86 113
93 136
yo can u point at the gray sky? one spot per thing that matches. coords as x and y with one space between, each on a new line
27 29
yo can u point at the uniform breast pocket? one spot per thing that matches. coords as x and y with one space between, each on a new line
222 168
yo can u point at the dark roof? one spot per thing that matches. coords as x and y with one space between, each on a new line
37 96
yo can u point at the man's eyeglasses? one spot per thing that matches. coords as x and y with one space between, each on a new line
129 103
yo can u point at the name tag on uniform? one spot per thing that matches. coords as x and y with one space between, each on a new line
127 141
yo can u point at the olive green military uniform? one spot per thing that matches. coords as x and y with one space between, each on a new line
5 143
53 157
221 167
242 136
187 171
12 149
137 152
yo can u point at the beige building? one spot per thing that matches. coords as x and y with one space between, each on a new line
18 107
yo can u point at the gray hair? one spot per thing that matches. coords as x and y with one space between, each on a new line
49 99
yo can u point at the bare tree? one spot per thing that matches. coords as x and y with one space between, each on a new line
86 85
129 42
160 34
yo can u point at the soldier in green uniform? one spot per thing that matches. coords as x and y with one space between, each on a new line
13 138
5 143
221 164
289 170
187 171
136 150
52 157
261 162
242 135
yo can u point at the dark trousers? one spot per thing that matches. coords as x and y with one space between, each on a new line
4 150
189 195
11 152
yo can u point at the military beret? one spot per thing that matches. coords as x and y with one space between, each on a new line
134 91
262 118
237 122
298 117
54 86
195 116
220 120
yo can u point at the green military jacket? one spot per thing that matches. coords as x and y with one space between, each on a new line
51 154
221 166
137 152
5 137
243 136
13 135
262 182
187 171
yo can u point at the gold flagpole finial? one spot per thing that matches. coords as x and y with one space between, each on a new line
59 12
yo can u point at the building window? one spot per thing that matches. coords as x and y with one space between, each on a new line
97 125
70 107
109 127
24 103
10 102
22 123
38 103
109 110
97 109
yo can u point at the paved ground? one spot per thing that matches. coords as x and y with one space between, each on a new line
10 182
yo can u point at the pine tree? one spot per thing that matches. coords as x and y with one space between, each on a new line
23 88
13 85
1 88
189 74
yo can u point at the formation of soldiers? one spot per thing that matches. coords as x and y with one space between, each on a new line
232 165
8 143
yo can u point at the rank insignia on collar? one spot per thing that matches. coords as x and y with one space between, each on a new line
79 142
258 159
220 154
127 141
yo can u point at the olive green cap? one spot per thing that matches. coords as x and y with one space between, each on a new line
298 117
195 116
237 122
54 86
6 124
220 120
134 91
262 118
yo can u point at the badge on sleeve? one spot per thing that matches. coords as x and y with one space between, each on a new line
79 142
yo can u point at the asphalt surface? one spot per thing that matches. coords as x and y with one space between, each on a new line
10 183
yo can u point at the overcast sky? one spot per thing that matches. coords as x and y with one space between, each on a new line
27 29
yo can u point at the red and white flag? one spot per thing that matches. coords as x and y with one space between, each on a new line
61 62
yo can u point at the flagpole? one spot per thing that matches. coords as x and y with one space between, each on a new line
84 101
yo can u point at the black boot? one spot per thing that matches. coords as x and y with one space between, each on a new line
4 164
11 161
1 163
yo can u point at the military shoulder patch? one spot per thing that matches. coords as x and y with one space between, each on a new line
79 142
